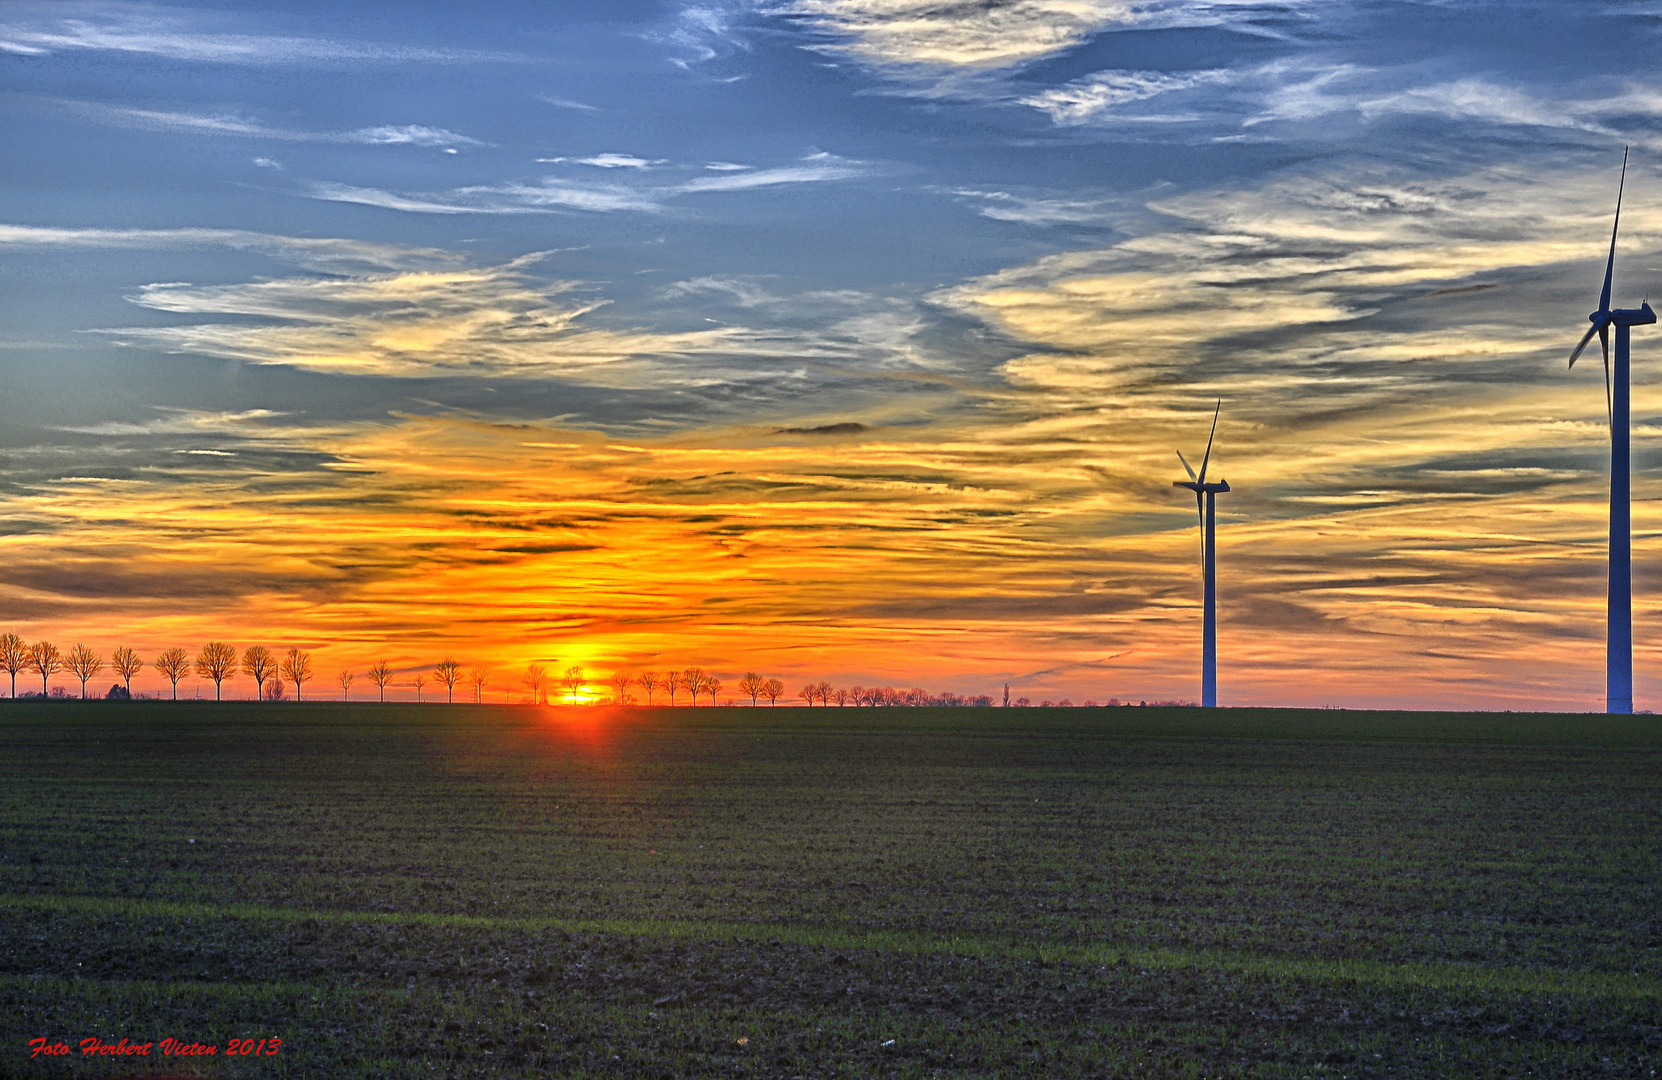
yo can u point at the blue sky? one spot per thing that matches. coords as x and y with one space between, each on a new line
1023 246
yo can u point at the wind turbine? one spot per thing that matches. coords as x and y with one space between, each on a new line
1618 658
1206 503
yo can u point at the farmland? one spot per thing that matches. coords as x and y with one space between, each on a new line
493 891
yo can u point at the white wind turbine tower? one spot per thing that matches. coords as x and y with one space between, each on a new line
1618 657
1206 503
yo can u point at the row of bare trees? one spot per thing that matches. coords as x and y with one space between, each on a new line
220 661
694 681
871 696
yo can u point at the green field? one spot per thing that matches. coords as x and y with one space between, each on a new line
488 891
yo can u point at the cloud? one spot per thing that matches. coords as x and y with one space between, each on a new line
237 126
140 30
332 254
268 163
549 196
1098 96
957 33
566 103
607 161
816 168
560 195
1042 210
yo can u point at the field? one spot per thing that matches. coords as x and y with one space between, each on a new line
430 891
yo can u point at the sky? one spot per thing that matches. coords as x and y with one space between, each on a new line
849 340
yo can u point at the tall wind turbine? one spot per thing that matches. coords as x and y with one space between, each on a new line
1618 695
1206 503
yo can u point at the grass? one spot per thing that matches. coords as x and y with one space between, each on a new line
485 891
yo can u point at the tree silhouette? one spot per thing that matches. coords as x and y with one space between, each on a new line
14 656
83 663
840 697
297 668
216 661
752 685
345 679
824 691
46 660
127 664
773 690
536 677
175 665
620 683
449 672
420 680
572 680
480 676
258 664
649 681
692 681
672 683
380 673
712 686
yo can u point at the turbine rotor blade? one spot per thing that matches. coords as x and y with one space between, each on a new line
1185 462
1604 344
1209 439
1598 324
1610 265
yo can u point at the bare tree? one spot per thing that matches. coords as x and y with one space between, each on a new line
296 668
449 672
621 682
572 680
127 664
345 679
83 663
692 681
649 681
752 684
14 656
480 676
711 686
258 664
773 690
808 693
420 680
672 683
857 694
380 673
175 665
46 661
536 677
840 696
824 690
216 661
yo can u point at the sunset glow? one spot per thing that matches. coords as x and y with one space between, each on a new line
801 394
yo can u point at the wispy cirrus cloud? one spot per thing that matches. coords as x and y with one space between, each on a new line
957 33
563 195
33 30
813 169
238 126
508 321
334 254
985 35
607 161
549 196
1101 95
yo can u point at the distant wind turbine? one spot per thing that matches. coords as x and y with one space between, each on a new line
1206 503
1618 659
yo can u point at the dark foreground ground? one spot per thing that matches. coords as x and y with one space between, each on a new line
431 891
